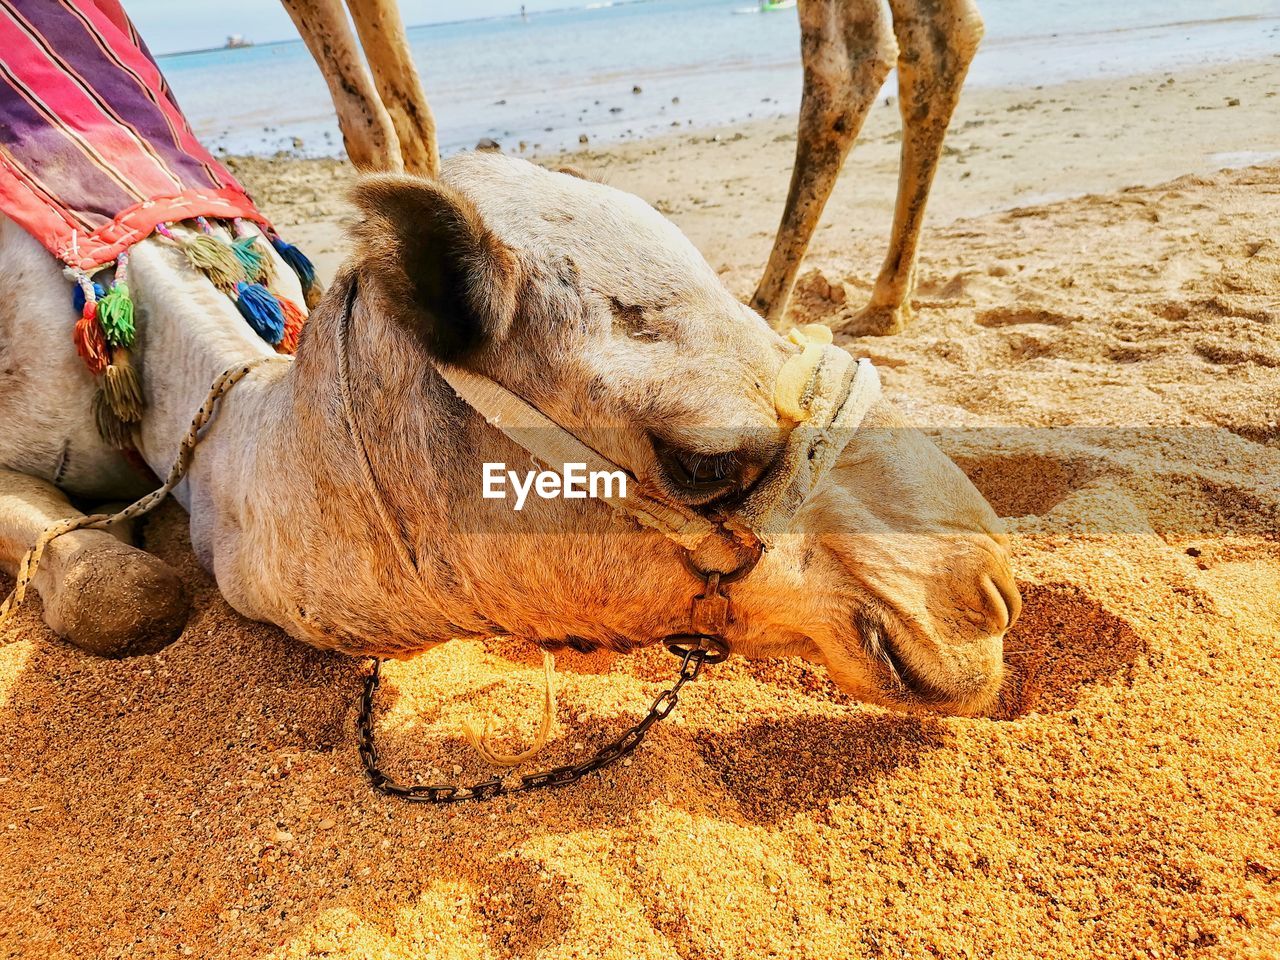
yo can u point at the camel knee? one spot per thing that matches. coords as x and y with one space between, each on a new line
968 31
848 52
100 594
937 39
875 52
113 600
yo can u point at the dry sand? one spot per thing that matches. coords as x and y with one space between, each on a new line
208 801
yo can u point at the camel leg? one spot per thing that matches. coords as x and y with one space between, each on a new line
99 594
937 40
848 50
367 131
386 48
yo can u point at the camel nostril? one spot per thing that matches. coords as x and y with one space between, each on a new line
1004 600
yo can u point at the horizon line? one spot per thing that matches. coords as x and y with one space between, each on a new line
607 4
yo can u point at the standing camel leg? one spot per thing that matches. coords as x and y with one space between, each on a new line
848 51
99 594
386 48
937 40
367 131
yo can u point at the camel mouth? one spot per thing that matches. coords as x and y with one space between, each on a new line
900 679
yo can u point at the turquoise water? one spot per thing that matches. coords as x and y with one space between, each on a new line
698 63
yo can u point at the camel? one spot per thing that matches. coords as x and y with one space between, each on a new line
848 48
338 495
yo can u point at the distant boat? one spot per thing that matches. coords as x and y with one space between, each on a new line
236 40
768 6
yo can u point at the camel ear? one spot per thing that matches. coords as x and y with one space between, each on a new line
437 268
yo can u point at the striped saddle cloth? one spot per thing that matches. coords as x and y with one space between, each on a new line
95 156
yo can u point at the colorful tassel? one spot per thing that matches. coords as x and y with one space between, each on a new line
217 260
312 289
241 268
90 342
79 299
257 264
88 337
115 310
262 310
312 295
121 386
257 260
110 427
267 273
294 321
115 314
297 261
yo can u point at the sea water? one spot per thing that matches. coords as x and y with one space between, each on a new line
553 77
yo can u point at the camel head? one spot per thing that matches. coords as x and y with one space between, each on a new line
590 305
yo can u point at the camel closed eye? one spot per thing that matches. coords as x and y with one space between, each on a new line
700 476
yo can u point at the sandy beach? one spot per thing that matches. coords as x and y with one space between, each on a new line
1100 255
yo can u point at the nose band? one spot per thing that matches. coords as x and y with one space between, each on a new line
826 395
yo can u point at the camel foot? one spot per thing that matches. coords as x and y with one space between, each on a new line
114 600
874 320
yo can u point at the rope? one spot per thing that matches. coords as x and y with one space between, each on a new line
483 745
395 534
30 564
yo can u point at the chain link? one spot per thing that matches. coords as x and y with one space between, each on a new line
693 650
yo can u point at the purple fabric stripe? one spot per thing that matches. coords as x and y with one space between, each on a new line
75 44
80 184
166 91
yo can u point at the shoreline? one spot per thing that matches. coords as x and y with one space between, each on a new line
752 72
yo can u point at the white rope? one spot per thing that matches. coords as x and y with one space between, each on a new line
482 743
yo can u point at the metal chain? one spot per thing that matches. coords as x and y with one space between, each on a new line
693 650
708 619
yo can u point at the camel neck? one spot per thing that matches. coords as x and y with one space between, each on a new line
241 488
284 509
190 333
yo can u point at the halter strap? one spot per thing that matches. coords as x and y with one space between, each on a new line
551 444
833 396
